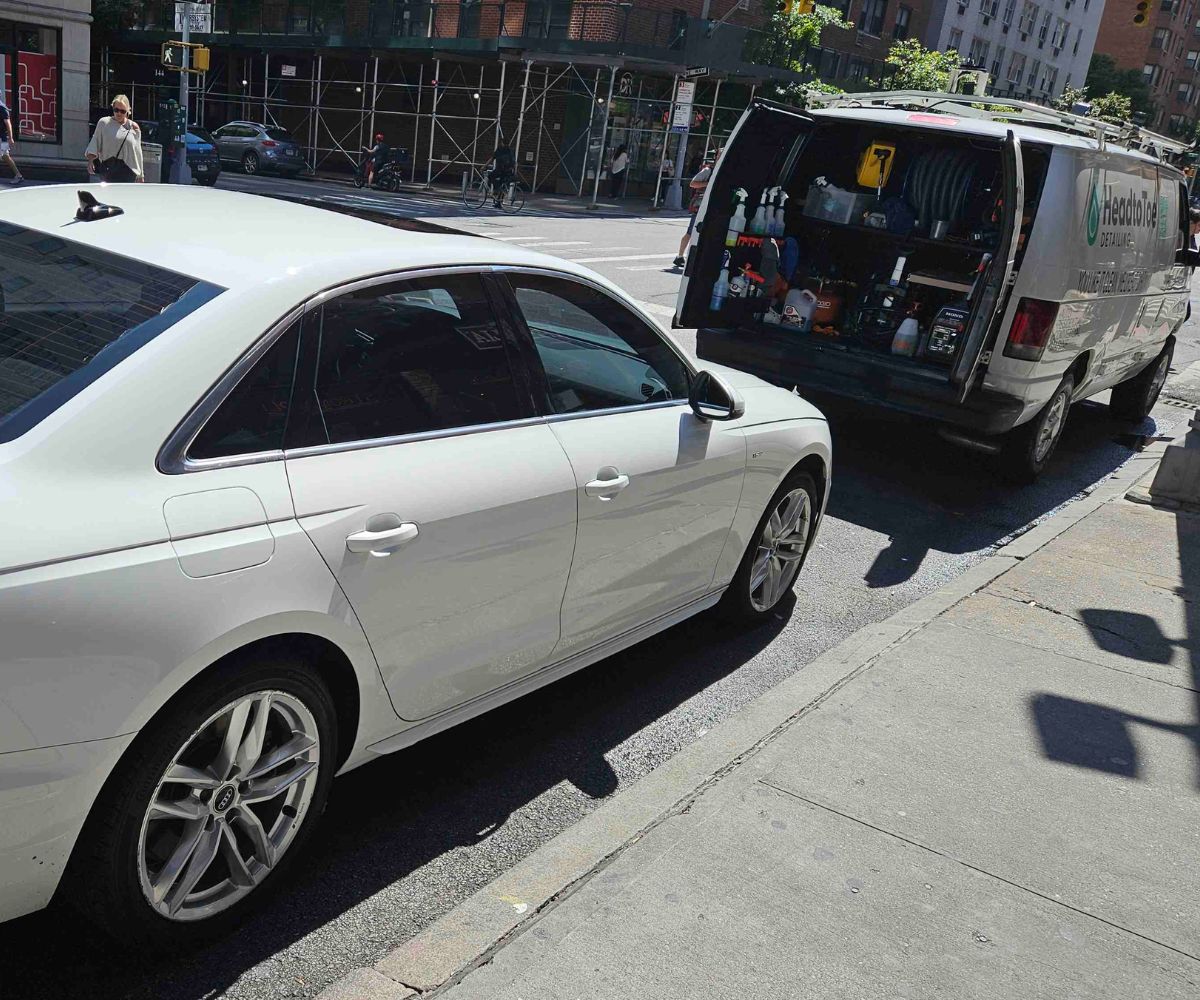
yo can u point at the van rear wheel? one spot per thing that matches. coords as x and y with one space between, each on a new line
1027 450
1134 398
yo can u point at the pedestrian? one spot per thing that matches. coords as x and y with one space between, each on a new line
379 154
115 152
1194 244
616 171
6 142
501 171
697 185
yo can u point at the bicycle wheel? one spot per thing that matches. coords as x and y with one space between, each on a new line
514 199
476 195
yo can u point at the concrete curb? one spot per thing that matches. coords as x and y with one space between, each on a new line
466 937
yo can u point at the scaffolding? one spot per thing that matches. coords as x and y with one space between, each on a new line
562 119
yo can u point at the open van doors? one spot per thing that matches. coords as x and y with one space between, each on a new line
1001 274
760 151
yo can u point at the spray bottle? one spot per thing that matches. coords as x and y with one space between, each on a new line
758 225
720 291
737 223
778 224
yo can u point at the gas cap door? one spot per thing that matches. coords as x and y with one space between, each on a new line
218 531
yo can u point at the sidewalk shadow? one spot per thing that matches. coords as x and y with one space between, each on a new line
1099 737
391 818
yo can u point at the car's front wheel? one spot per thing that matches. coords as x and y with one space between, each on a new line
210 806
250 163
776 552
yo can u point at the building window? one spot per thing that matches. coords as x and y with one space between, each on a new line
1061 30
1016 66
1033 72
1009 7
979 51
955 43
989 7
903 17
1192 55
1045 29
872 17
1168 6
29 80
1029 15
1078 39
1185 93
998 62
1049 78
1162 39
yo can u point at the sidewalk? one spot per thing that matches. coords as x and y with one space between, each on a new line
994 794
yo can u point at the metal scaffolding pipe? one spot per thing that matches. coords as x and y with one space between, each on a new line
437 73
666 139
521 116
712 117
374 97
266 83
612 77
537 149
587 144
412 171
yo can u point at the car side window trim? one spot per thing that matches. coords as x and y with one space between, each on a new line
172 457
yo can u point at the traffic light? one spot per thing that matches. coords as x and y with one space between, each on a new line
798 6
171 55
1141 13
200 59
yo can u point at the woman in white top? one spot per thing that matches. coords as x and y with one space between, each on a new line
115 152
616 171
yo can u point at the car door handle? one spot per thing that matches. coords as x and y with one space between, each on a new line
382 543
606 489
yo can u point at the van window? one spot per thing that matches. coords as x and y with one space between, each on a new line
69 313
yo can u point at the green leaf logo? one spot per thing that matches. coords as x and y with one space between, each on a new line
1093 210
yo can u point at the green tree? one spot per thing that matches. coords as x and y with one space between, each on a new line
1069 98
1113 107
788 34
919 68
1106 77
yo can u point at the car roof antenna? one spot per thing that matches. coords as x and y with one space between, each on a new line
90 210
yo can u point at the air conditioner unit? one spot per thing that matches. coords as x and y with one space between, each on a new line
986 19
1004 29
1058 51
1024 36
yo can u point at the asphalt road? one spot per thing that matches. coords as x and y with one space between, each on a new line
408 837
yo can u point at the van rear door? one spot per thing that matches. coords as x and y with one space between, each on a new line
989 311
760 151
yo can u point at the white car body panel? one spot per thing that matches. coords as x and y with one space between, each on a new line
121 583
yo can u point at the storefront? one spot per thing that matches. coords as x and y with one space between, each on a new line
44 54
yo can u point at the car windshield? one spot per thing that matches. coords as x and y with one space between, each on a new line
281 134
69 313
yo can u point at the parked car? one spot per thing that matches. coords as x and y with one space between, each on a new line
255 148
501 472
202 156
981 267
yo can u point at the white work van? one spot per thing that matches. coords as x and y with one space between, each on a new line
983 268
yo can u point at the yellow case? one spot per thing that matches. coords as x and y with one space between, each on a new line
868 165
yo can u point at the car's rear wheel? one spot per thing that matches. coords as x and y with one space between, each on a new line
210 806
1027 450
250 162
776 552
1134 398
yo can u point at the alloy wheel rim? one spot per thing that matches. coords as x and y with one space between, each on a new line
780 549
1051 427
228 806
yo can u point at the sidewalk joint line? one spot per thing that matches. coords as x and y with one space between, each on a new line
975 868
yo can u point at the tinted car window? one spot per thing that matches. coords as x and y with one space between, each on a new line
69 313
254 416
408 357
278 133
596 353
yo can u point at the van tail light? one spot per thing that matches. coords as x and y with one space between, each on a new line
269 143
1030 330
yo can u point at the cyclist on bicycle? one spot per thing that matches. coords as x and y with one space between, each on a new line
379 156
501 171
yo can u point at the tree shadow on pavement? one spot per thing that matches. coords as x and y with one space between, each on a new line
438 801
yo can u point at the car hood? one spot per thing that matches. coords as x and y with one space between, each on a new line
764 402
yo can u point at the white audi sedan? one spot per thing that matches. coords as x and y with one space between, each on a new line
272 508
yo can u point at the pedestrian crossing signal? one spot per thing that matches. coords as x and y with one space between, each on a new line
1141 13
172 55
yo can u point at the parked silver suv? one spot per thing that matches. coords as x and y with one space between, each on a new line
255 148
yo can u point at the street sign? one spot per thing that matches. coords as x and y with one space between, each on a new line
693 72
681 115
199 17
625 85
286 70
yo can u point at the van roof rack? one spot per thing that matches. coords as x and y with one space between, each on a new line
1002 109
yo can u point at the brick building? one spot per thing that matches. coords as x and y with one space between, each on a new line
854 58
1166 50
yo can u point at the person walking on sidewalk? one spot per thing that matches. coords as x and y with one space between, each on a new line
115 152
616 171
696 186
6 143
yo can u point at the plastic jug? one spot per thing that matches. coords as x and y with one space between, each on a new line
798 308
907 336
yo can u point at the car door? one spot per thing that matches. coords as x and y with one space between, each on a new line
443 505
656 487
230 141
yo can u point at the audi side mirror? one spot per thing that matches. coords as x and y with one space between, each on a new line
712 398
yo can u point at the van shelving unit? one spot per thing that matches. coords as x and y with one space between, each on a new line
999 109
